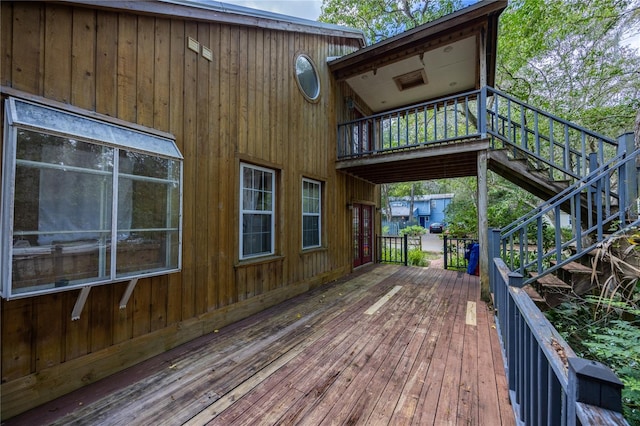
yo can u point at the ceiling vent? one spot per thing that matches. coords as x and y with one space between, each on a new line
411 79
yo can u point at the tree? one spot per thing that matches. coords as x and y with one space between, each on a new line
567 58
381 19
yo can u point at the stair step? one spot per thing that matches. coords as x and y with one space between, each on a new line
577 275
574 267
551 281
554 290
535 297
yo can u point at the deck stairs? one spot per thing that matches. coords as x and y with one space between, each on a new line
577 172
597 189
588 176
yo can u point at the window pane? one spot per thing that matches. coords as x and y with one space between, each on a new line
86 128
62 200
147 251
256 234
308 80
311 231
62 212
310 213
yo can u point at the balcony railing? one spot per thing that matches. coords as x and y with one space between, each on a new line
552 144
444 120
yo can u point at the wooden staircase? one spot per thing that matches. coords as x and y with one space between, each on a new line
592 187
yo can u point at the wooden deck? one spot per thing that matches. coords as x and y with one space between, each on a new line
386 345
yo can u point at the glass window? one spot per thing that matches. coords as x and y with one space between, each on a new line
85 210
307 77
257 218
311 209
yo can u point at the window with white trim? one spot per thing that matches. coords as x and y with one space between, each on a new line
257 211
85 202
311 213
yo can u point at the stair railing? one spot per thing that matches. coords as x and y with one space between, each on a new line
522 243
547 141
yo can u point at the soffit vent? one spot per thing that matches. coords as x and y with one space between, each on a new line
411 79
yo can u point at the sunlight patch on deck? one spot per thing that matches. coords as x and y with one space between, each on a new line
384 299
471 313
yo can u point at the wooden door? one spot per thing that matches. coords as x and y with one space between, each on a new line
362 234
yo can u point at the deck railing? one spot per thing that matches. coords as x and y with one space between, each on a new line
394 249
443 120
526 249
550 143
548 384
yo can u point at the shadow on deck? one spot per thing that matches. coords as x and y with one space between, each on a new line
385 345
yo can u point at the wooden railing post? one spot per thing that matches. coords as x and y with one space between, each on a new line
631 178
592 383
494 251
482 112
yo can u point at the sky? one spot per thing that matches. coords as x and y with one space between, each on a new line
310 9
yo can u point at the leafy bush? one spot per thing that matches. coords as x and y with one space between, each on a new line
416 257
412 231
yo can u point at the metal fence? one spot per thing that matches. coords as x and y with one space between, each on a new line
392 249
456 252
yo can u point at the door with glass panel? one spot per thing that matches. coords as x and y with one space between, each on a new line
362 234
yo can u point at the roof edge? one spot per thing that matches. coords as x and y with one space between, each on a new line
481 9
215 11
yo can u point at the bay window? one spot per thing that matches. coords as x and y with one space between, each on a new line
85 202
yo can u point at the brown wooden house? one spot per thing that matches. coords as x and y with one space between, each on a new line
170 167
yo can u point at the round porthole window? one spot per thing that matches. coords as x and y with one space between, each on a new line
307 77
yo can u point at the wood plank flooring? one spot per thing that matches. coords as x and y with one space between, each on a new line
387 345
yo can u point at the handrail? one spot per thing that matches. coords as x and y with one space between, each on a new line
562 195
545 139
591 194
541 368
548 140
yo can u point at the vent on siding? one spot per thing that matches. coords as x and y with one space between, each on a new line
411 79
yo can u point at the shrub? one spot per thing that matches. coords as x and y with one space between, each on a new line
416 257
413 231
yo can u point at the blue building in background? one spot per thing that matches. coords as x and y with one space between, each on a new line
427 209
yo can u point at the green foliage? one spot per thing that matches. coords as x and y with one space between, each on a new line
381 19
412 231
566 58
608 331
416 257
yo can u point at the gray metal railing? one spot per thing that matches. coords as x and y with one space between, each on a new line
394 249
524 245
549 142
547 382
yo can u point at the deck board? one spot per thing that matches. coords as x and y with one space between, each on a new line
321 359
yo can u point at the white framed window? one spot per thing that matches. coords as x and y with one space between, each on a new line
85 202
257 211
311 213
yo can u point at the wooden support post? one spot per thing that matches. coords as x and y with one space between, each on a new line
483 226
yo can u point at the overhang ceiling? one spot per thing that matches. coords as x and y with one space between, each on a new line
452 68
434 60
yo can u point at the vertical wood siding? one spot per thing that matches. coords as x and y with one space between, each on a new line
242 106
